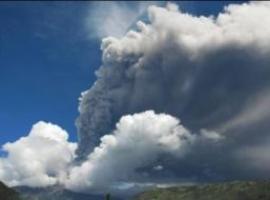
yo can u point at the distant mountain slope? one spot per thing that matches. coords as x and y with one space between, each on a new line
222 191
55 193
7 193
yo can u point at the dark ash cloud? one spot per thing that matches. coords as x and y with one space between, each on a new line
208 72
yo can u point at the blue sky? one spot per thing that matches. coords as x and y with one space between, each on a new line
47 60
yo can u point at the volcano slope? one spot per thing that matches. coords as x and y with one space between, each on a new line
251 190
7 193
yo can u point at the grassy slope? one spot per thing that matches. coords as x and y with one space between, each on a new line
7 193
223 191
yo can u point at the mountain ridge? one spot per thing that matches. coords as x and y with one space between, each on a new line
53 193
7 193
56 193
236 190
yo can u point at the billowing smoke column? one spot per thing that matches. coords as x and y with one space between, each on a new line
203 70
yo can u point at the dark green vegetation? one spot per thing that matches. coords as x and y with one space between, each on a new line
7 193
108 196
222 191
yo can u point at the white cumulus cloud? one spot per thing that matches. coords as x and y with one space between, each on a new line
41 158
138 141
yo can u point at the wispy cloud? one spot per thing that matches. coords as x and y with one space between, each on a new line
113 18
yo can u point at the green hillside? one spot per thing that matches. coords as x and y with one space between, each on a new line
7 193
222 191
